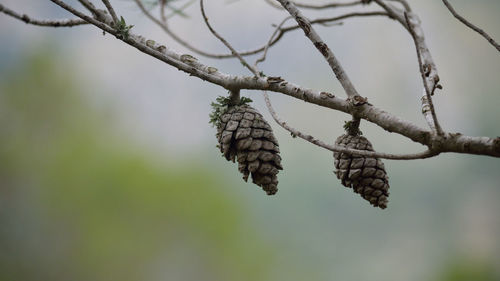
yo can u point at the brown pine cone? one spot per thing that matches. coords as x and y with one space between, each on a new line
245 136
366 175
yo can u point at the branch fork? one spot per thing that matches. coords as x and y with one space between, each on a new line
436 138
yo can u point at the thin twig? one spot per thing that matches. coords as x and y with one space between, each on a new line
471 26
42 22
163 25
394 12
111 11
102 25
329 5
283 31
457 143
266 48
87 4
163 5
404 3
253 69
321 6
427 99
295 132
322 47
335 148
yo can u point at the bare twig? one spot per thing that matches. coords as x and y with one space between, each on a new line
335 65
264 54
394 12
42 22
329 5
284 30
252 69
163 5
323 21
321 6
335 148
338 18
111 11
163 25
296 132
404 3
87 4
449 143
471 26
102 25
426 63
427 104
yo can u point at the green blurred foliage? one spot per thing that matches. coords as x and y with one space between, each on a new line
79 203
469 270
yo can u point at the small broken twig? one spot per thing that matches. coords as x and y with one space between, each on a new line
471 26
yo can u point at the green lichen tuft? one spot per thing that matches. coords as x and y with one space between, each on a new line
352 128
221 106
123 29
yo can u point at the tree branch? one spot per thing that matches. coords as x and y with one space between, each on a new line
448 143
111 11
295 132
331 5
335 148
266 48
427 104
426 63
404 3
164 26
45 22
337 69
323 6
87 4
252 69
471 26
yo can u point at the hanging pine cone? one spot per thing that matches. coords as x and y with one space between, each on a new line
366 175
245 136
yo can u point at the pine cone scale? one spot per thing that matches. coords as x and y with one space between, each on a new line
365 175
246 137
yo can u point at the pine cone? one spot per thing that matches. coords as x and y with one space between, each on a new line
245 136
366 175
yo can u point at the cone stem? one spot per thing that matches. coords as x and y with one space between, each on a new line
234 97
353 126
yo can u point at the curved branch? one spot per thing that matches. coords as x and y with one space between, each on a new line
471 26
311 139
163 25
336 148
45 22
266 48
449 143
111 11
404 3
252 69
427 104
280 34
87 4
331 5
321 6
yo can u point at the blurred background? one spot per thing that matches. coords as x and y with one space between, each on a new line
109 170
